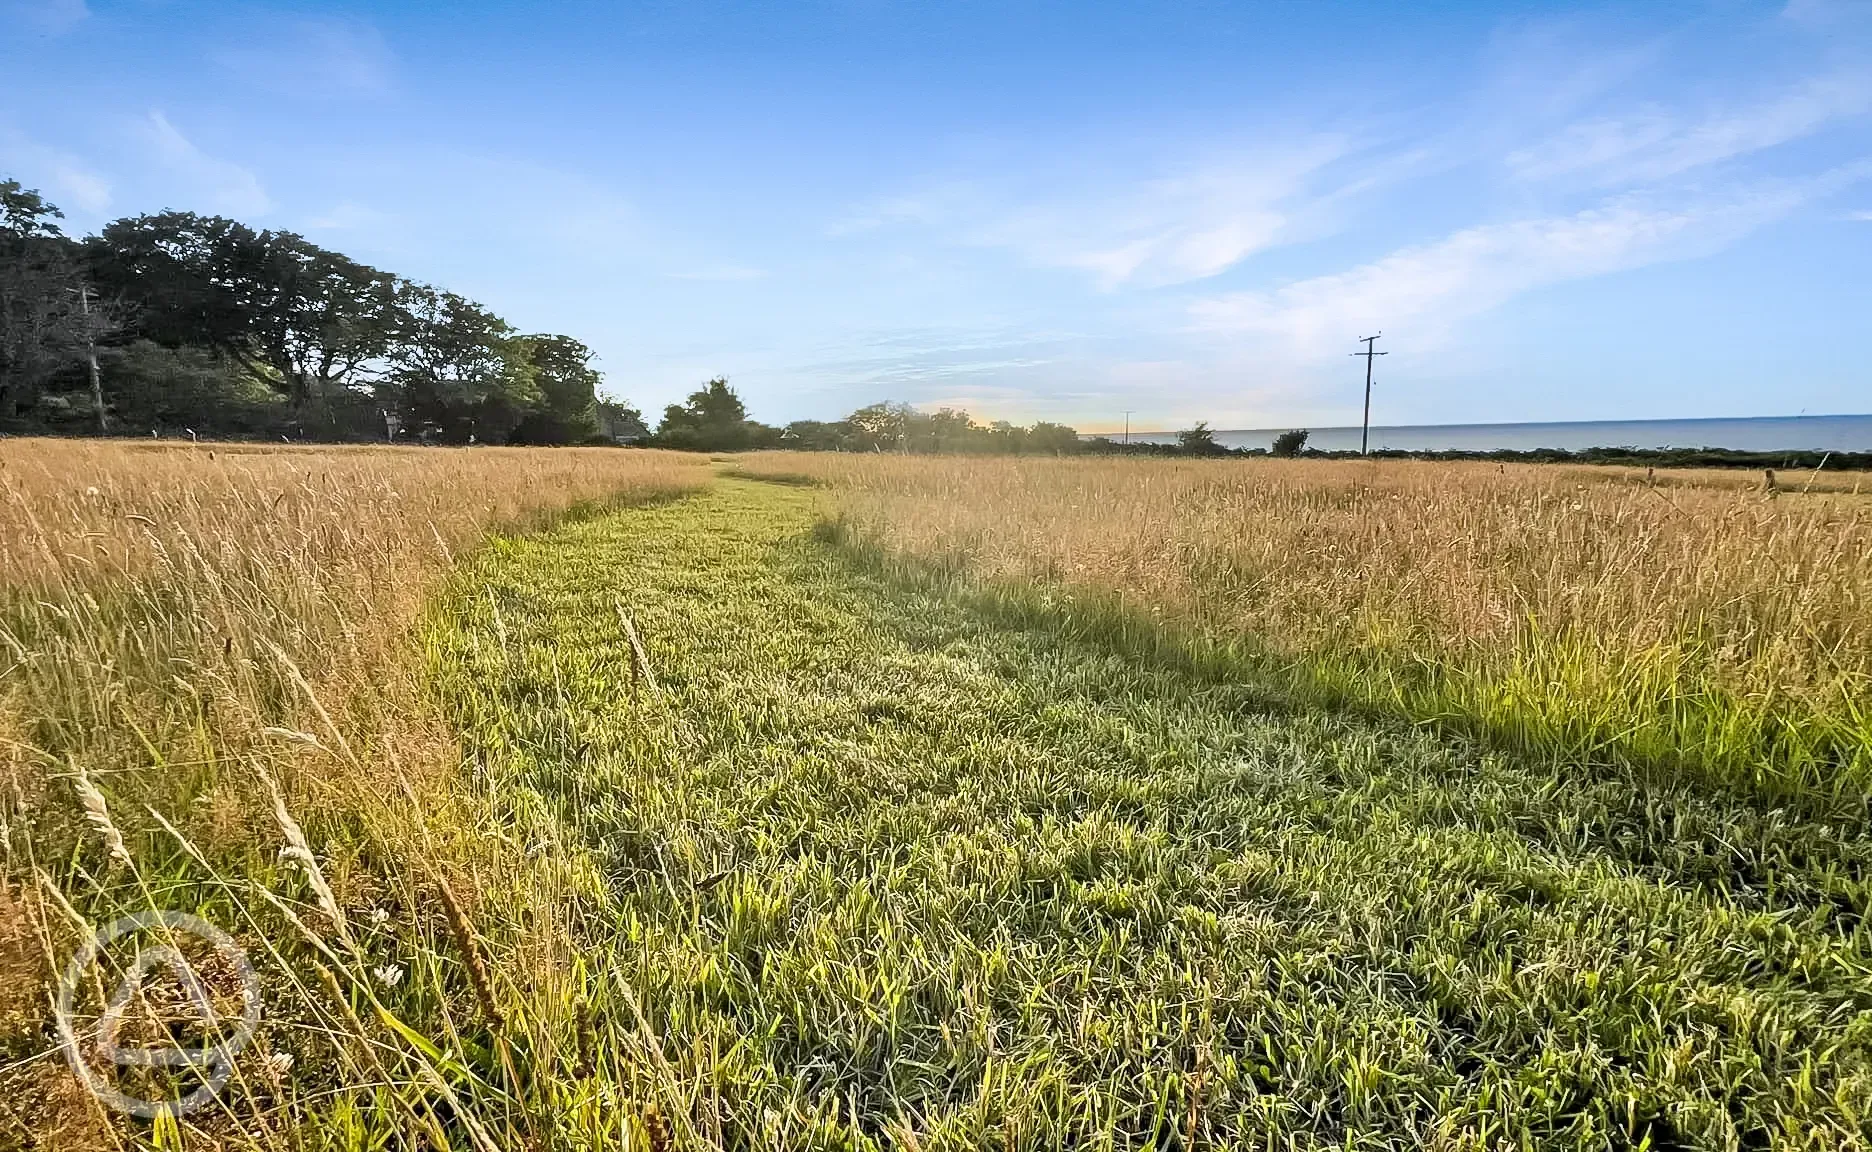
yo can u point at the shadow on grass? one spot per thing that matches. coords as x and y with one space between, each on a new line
583 510
786 479
1288 683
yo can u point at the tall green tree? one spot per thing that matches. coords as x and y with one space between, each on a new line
329 318
42 325
455 370
171 390
191 277
881 427
24 212
1290 443
713 420
308 321
817 436
567 412
946 430
1056 439
1199 441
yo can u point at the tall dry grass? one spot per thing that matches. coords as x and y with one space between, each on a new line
1694 620
211 697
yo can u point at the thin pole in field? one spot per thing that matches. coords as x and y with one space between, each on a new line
90 335
1365 428
1127 435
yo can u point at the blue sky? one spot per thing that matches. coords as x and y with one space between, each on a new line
1038 210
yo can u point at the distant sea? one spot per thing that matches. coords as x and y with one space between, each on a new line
1746 434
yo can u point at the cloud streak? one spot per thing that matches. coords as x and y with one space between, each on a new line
223 185
1190 224
70 180
1175 229
1433 286
1655 145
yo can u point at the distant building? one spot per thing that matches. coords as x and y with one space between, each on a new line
621 423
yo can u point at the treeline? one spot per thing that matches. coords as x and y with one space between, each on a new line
901 428
176 323
714 419
181 324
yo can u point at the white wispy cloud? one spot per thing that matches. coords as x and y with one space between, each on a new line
1431 287
906 372
89 190
1654 144
223 185
66 179
1614 168
992 372
1174 229
1195 221
1547 70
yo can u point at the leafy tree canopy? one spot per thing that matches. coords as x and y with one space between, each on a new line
23 212
42 322
1199 441
567 411
713 420
1290 443
207 323
305 319
456 370
218 316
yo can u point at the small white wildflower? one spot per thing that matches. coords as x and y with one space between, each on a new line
282 1062
380 916
389 975
97 814
92 492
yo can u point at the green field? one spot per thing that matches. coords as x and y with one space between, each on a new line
868 867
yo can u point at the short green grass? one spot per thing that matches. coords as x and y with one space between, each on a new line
870 868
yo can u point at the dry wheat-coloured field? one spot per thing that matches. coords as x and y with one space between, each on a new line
599 799
180 624
1692 618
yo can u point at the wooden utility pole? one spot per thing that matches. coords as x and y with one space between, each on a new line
1127 436
1365 428
90 337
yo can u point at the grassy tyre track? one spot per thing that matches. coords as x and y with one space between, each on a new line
865 869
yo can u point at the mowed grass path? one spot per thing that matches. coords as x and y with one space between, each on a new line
880 872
